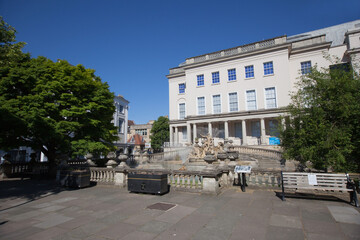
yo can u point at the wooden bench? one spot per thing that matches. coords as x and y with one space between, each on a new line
319 181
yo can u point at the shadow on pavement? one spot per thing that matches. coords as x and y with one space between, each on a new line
311 196
29 189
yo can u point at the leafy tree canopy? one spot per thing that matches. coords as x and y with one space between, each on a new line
53 106
10 51
324 127
160 133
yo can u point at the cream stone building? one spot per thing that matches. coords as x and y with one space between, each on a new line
143 130
120 119
239 93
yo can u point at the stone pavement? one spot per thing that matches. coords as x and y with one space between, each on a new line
40 210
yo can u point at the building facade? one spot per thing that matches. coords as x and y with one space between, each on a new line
120 119
239 93
143 130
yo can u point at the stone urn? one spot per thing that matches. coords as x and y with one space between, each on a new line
111 163
122 159
222 156
89 160
233 155
209 158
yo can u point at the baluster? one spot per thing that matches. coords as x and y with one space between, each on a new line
178 180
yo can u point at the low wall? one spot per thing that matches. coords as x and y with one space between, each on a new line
207 181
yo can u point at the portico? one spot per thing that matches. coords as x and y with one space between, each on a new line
246 128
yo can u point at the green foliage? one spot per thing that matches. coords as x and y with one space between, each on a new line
52 106
160 133
10 52
324 127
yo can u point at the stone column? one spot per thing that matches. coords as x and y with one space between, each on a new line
194 132
188 129
210 129
176 140
263 134
283 123
226 129
244 137
171 136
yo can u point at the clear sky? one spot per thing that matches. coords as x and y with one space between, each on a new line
132 44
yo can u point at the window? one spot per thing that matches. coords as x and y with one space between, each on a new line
251 100
233 102
142 132
270 97
181 110
182 88
255 129
305 67
216 104
232 74
268 68
215 77
121 125
249 71
200 80
201 105
184 133
238 130
121 108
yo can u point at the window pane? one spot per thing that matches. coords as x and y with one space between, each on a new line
216 104
215 77
251 100
200 80
181 110
201 105
268 68
270 96
249 71
233 102
182 88
232 74
305 67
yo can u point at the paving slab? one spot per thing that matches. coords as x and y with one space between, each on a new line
108 212
345 214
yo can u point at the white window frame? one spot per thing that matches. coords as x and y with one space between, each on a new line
184 111
197 105
212 103
237 97
276 101
256 100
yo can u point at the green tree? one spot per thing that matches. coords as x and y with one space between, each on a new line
324 127
10 51
159 133
54 107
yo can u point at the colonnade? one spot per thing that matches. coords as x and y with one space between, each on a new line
192 126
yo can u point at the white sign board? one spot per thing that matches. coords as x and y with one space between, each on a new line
242 169
147 145
312 179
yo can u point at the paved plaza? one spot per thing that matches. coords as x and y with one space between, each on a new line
41 210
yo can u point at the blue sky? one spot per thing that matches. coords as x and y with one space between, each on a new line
132 44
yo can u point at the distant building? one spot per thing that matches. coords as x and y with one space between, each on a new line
143 130
239 93
136 142
120 120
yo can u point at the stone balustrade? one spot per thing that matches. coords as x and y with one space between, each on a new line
259 152
24 169
102 175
